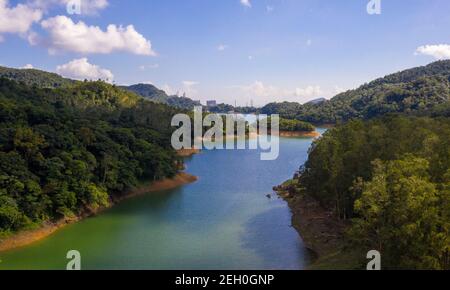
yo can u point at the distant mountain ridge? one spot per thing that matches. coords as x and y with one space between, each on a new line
36 77
154 94
43 79
417 90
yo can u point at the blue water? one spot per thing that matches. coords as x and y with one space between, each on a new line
223 221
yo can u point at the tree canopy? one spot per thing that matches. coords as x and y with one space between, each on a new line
67 150
390 178
417 90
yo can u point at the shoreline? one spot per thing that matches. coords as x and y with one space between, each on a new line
28 237
187 152
295 134
321 232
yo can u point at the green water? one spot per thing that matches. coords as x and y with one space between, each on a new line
223 221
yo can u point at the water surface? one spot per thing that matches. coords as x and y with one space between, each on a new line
223 221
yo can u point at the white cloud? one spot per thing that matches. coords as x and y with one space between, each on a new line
190 83
18 19
186 87
337 90
81 69
65 35
439 51
246 3
190 88
169 90
265 93
308 92
27 66
269 8
222 47
309 42
250 57
259 89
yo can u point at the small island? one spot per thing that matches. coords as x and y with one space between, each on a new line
292 128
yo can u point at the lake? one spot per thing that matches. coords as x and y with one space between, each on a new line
224 221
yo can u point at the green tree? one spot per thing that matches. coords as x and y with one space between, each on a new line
399 215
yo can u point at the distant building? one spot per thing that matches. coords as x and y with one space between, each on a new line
211 104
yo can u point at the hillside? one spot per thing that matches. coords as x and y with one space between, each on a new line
418 90
43 79
36 77
154 94
387 180
148 91
66 151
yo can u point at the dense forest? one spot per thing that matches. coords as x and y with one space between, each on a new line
67 146
295 126
35 77
391 178
225 108
68 149
290 125
415 90
154 94
385 168
43 79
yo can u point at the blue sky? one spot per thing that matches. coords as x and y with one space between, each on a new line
267 50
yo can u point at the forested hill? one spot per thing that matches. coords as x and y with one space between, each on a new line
148 91
389 178
36 77
43 79
66 150
154 94
418 90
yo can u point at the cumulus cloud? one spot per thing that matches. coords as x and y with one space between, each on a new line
65 35
246 3
265 93
28 66
169 90
81 69
259 89
186 87
308 92
17 19
338 90
439 51
189 88
190 83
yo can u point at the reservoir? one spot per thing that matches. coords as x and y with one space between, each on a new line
224 221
